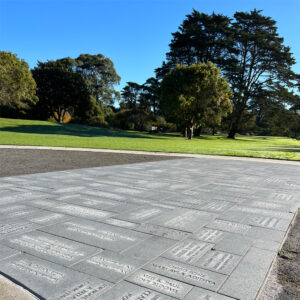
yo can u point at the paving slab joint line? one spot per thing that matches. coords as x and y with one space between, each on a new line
275 258
156 153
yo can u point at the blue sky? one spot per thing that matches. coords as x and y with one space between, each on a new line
134 34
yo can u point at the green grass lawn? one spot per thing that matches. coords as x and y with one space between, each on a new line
39 133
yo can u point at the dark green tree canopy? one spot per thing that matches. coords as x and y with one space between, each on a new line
60 90
200 38
143 96
150 95
131 95
189 94
17 87
99 74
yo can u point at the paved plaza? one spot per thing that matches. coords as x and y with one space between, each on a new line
194 228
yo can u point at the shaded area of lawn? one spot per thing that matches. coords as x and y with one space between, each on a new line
39 133
71 130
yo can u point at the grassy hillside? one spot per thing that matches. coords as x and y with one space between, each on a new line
25 132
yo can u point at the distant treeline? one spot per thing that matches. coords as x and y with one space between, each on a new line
221 74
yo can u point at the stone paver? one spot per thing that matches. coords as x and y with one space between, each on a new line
195 228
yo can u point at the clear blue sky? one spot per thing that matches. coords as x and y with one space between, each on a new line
134 34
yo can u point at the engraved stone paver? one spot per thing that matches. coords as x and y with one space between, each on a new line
160 283
162 231
48 218
50 247
210 235
14 227
186 273
108 265
50 280
181 229
84 212
230 226
97 234
184 219
221 262
127 290
188 251
142 214
267 222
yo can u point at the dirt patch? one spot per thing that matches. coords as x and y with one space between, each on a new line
283 282
12 291
19 161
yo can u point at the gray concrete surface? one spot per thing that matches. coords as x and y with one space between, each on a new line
179 229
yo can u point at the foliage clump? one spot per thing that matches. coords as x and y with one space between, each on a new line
195 95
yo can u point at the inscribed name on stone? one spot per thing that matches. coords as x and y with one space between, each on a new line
108 265
216 206
7 229
48 218
160 283
230 226
105 195
84 212
52 281
128 291
162 231
218 261
186 273
188 220
50 247
209 235
90 290
97 234
188 251
264 212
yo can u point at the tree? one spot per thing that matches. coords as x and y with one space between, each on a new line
260 63
190 93
131 95
142 96
17 87
99 74
247 49
150 94
275 118
60 90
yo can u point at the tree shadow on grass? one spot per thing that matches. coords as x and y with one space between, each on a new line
77 130
294 149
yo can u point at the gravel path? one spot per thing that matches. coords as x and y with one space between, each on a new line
20 161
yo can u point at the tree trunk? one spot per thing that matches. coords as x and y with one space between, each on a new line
60 117
237 117
234 127
185 132
232 133
190 132
197 131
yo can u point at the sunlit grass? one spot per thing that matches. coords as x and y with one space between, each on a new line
40 133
